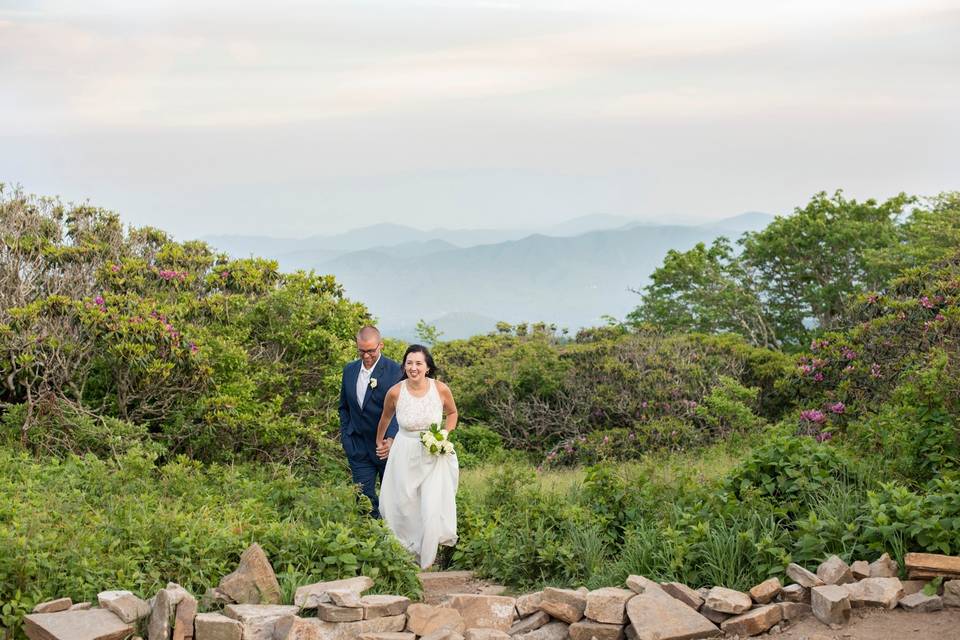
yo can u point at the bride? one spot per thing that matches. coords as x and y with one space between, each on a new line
418 490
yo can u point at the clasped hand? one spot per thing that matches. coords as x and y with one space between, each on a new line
383 448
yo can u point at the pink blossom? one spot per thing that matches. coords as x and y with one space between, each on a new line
849 353
940 317
875 370
872 298
813 415
194 348
606 440
926 303
838 407
818 377
115 268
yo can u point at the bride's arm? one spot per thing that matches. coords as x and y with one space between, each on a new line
449 406
389 408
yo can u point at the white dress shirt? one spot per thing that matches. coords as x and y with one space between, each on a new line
363 381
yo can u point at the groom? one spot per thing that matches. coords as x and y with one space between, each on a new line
365 385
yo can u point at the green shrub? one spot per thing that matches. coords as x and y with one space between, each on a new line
476 444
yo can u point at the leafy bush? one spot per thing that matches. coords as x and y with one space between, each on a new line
476 444
77 526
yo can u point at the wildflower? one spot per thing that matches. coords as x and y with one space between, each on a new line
926 303
115 268
813 415
838 408
99 301
194 348
875 370
818 377
849 353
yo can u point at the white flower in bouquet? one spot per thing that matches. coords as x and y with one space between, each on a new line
436 441
446 447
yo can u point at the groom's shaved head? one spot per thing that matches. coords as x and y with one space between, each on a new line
368 333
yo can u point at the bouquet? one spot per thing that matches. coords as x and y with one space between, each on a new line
436 441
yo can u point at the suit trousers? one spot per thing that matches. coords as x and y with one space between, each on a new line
365 472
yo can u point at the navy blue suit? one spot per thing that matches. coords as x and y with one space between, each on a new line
358 426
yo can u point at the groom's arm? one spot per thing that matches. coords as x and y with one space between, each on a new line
344 408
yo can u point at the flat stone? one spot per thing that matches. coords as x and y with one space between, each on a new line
377 606
422 619
94 624
493 590
183 619
913 586
951 593
587 629
254 581
716 617
564 604
485 634
53 606
529 603
803 577
555 630
796 593
387 635
345 598
728 601
860 569
608 605
443 634
656 615
485 612
529 623
884 567
683 593
933 563
834 571
216 626
875 592
82 606
922 602
753 622
124 604
332 613
291 627
766 591
259 620
309 596
831 604
794 610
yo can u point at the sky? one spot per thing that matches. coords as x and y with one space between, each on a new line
294 118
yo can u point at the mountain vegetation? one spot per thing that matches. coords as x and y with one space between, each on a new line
783 397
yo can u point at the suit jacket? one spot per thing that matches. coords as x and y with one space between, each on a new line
358 426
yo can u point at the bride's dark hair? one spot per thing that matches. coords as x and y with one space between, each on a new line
419 348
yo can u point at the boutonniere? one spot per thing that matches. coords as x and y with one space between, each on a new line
373 383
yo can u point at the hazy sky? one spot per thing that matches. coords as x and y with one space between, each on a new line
295 118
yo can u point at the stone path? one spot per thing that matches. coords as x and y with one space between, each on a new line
437 585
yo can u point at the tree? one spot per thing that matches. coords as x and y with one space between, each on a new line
809 264
707 290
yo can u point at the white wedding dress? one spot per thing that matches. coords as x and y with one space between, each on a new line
418 492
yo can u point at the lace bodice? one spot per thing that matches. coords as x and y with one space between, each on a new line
417 414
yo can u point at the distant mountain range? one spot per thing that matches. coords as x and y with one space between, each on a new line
464 281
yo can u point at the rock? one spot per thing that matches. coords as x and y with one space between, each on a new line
292 627
53 606
608 605
485 634
860 569
183 620
422 619
933 563
332 613
587 629
766 591
94 624
377 606
213 597
492 590
875 592
753 622
164 608
216 626
834 571
82 606
728 600
309 596
254 581
387 635
913 586
922 602
656 615
124 604
443 634
345 598
564 604
830 603
529 603
794 610
951 593
716 617
258 620
884 567
485 612
530 623
555 630
683 593
803 577
796 593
